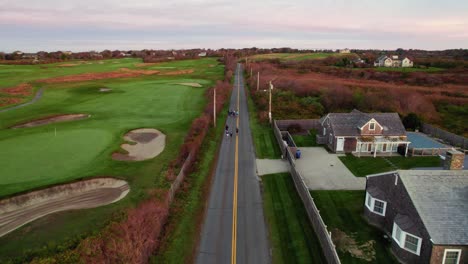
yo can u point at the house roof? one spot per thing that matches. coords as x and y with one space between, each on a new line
348 124
441 199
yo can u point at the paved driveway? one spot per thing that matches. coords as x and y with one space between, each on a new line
269 166
324 171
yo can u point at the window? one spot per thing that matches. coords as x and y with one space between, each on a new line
406 241
375 205
452 256
372 126
379 206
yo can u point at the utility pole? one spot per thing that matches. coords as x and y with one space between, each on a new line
269 105
258 81
214 107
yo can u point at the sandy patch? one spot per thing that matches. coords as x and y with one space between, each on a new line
104 90
67 65
149 143
191 84
52 119
144 72
22 209
179 72
347 244
145 64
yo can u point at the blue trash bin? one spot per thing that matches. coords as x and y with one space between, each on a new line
298 154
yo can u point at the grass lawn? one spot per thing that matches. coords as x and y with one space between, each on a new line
187 209
342 212
35 157
306 140
363 166
295 56
291 233
266 146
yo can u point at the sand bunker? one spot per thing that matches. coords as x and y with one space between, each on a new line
68 65
22 209
105 90
149 144
52 119
144 72
178 72
144 64
191 84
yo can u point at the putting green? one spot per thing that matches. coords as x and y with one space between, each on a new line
38 159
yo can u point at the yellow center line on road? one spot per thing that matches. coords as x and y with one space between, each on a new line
234 202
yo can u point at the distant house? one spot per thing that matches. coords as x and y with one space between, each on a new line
363 133
344 51
202 54
424 212
393 61
358 60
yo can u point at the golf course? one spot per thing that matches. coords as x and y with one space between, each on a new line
111 98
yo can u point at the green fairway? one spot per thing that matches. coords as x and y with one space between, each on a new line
296 56
291 233
43 158
363 166
342 213
35 157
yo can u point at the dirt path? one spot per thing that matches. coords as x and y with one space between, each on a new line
35 99
22 209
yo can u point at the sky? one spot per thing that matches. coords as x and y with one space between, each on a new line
81 25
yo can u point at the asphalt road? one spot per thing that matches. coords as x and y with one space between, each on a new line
234 228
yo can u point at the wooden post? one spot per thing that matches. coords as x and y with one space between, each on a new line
258 80
214 107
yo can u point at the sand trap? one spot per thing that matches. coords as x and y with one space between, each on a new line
191 84
144 64
104 90
178 72
52 119
149 144
67 65
22 209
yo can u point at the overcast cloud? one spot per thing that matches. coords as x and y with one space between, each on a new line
30 25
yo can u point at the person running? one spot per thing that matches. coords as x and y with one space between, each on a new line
230 133
227 128
237 130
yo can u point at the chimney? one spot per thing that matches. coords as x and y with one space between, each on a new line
454 160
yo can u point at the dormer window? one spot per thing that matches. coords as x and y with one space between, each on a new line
371 126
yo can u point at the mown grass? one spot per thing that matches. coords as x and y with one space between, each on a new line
295 56
291 233
306 140
363 166
266 146
184 216
343 210
35 158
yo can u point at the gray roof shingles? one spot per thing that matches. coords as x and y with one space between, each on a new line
441 199
346 124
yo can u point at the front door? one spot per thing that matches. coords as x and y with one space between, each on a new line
339 144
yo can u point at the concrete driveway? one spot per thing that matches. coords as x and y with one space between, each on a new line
269 166
324 171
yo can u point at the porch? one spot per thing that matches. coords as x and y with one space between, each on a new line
380 146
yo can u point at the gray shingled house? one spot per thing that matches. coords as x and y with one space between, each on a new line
363 133
424 212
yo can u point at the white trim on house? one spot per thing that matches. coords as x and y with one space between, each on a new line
400 237
373 121
370 204
452 250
